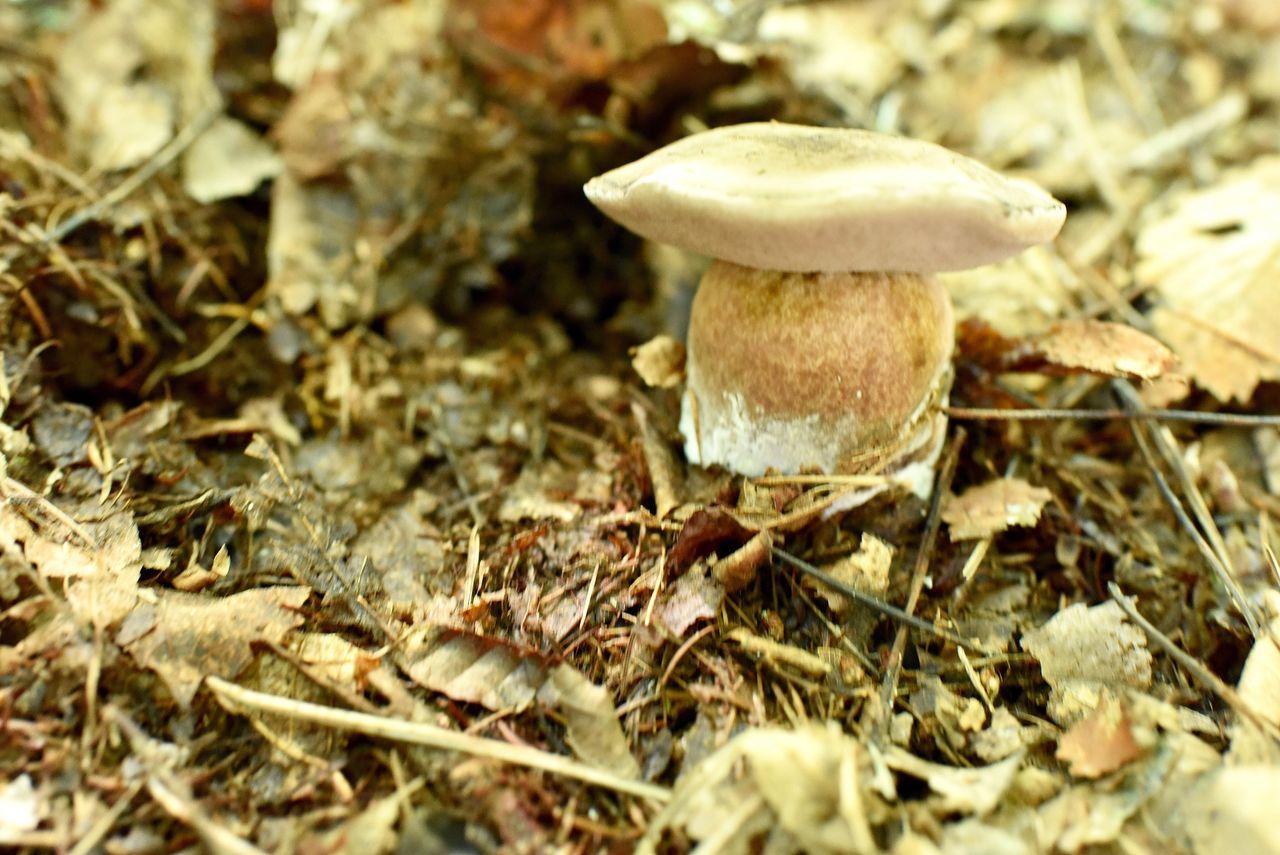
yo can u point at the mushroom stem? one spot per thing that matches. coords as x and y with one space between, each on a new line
839 372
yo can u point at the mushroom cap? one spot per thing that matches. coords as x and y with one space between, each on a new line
791 197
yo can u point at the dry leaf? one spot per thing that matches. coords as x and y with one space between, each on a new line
1214 260
976 791
591 720
659 362
20 809
499 675
1101 742
1259 687
186 637
1083 650
867 570
229 159
737 569
1109 349
1234 810
806 785
992 507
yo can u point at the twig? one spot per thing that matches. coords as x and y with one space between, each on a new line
894 670
1197 671
238 699
184 138
1222 570
875 603
1227 419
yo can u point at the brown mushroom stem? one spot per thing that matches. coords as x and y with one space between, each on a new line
839 372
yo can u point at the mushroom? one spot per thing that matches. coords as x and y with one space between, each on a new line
818 338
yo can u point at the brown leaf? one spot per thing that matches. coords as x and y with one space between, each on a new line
591 720
1101 742
193 636
1101 347
692 598
705 532
495 674
992 507
736 570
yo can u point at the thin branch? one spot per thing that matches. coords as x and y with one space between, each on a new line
239 699
893 672
1049 414
875 603
1193 667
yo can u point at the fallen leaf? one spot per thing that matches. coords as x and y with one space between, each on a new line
737 569
499 675
227 160
1233 810
993 507
808 782
591 720
1259 688
977 790
20 809
1101 742
1101 347
1083 650
1213 261
706 531
191 637
659 362
866 569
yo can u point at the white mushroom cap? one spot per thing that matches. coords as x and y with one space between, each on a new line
791 197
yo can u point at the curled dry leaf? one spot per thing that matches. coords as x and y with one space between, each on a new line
1084 650
736 570
1213 262
659 362
992 507
1101 347
1101 742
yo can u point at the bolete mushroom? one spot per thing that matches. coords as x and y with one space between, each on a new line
818 339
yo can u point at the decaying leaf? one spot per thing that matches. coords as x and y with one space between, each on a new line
1213 261
227 160
186 637
1084 650
1101 742
20 809
591 720
992 507
659 362
100 558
